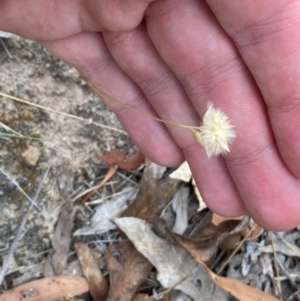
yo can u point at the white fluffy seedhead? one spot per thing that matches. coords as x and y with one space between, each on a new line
216 132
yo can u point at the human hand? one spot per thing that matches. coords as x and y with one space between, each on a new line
241 56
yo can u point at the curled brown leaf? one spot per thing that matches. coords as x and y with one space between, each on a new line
118 157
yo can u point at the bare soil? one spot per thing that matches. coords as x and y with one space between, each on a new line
70 146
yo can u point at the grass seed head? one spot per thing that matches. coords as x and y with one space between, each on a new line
216 132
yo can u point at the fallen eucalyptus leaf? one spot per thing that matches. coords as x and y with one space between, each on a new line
175 266
123 259
47 289
97 283
180 206
101 219
57 260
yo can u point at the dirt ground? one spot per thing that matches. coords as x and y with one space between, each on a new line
69 146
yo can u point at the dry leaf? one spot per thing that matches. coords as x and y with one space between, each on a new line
282 247
180 210
117 157
176 295
57 261
184 173
112 170
231 239
202 204
101 220
28 273
97 283
223 230
217 219
154 194
213 232
241 290
180 206
201 250
112 208
127 270
174 265
47 289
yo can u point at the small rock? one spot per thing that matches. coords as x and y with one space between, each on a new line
31 155
13 206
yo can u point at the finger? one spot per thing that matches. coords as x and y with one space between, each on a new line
61 19
208 65
156 80
169 99
269 42
88 53
116 16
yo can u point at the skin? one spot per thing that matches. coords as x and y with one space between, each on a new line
169 58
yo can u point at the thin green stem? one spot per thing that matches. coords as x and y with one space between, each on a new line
20 136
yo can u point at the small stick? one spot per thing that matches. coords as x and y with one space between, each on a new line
101 92
5 49
236 249
112 170
20 188
21 227
61 113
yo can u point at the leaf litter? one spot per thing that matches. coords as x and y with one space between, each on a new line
97 283
61 241
201 246
174 265
154 194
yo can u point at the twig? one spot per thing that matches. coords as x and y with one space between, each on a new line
127 179
110 97
5 48
292 296
7 128
62 113
101 200
112 170
276 267
163 293
83 193
20 188
21 227
236 249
